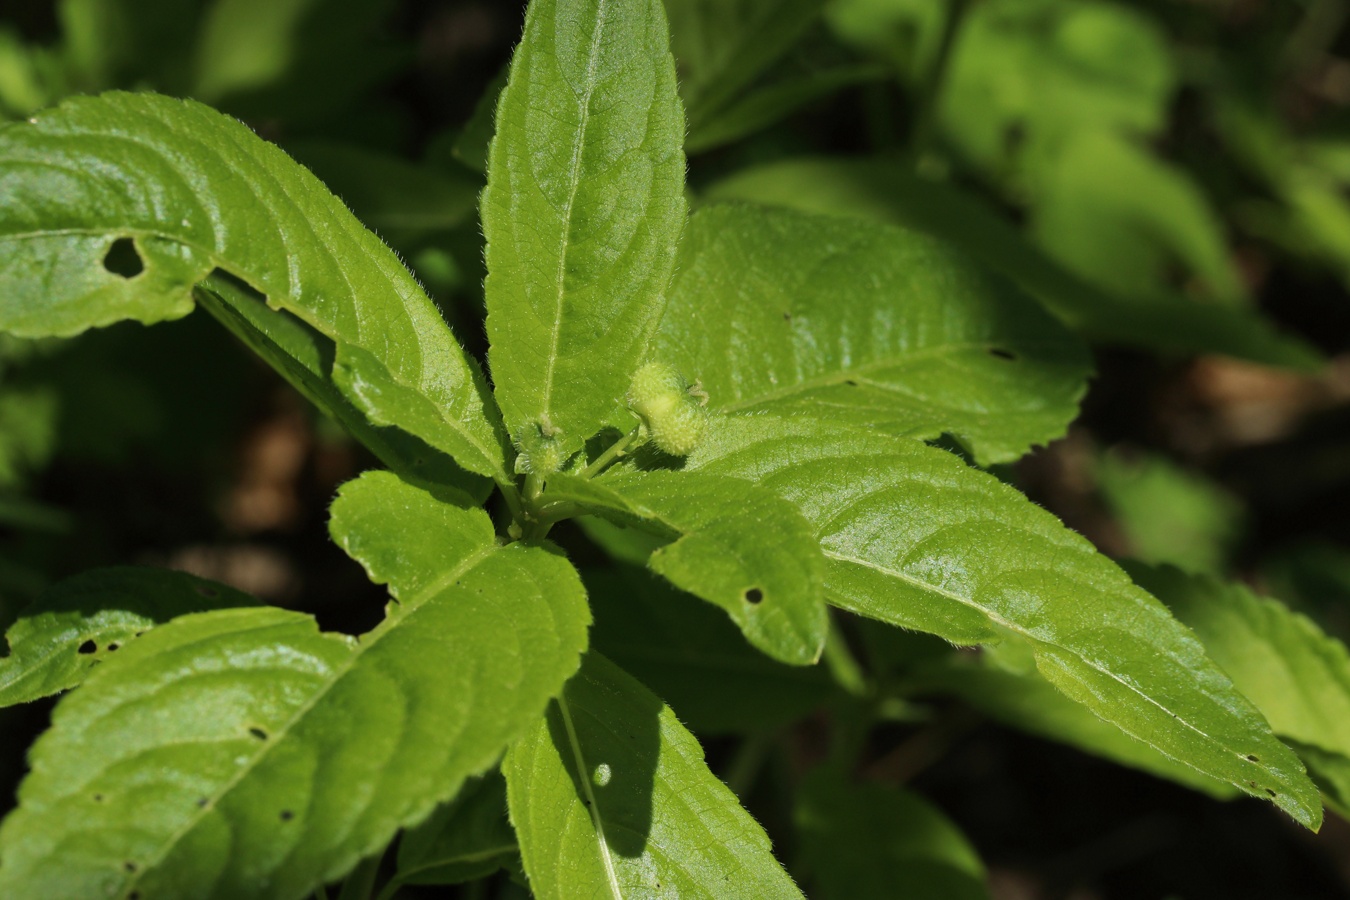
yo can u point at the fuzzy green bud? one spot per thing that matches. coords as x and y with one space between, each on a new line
540 450
671 409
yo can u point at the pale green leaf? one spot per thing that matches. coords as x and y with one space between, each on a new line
470 837
1023 74
72 627
260 758
195 191
1122 219
1298 676
693 658
733 544
869 840
305 359
868 325
1005 686
915 537
610 797
722 46
1169 514
886 190
583 208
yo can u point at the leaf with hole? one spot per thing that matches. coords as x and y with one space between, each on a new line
865 325
732 543
74 626
692 657
611 797
261 758
915 537
194 191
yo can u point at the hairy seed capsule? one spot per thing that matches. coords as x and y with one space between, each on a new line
671 409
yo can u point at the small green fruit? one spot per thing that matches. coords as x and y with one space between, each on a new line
671 409
541 453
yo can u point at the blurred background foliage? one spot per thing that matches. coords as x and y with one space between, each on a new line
1167 176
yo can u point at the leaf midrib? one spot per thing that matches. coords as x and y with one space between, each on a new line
574 176
611 878
398 616
1035 639
832 379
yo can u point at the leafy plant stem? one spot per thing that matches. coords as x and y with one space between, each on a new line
616 450
843 666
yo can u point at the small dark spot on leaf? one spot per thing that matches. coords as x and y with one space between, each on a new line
787 316
1000 353
585 803
1251 784
1252 758
753 595
207 591
201 802
258 733
287 815
139 633
98 798
134 895
851 383
87 647
129 866
1271 793
114 645
124 259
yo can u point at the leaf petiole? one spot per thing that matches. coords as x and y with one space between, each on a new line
616 451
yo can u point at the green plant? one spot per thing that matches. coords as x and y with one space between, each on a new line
752 395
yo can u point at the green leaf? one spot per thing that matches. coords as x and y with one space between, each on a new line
582 211
260 758
866 325
468 838
74 626
915 537
1005 686
722 46
1169 514
734 545
690 655
869 840
305 359
610 797
883 190
1298 676
176 190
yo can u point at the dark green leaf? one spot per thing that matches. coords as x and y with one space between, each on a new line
465 839
868 840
